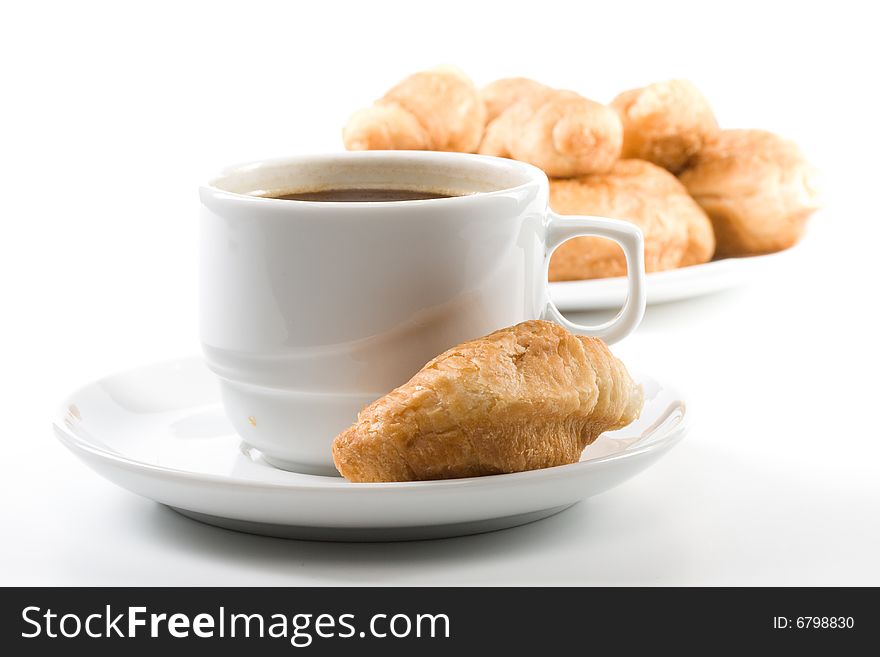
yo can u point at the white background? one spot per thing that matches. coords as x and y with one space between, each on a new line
113 112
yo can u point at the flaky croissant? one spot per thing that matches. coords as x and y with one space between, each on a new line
666 123
499 95
561 132
439 110
757 188
677 232
525 397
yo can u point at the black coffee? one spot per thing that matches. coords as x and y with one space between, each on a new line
356 195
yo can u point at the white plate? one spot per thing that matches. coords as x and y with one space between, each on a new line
664 286
160 432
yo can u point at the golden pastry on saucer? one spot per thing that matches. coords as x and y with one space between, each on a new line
757 188
666 123
439 110
526 397
561 132
675 228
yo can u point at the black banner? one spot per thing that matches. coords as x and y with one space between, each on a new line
434 621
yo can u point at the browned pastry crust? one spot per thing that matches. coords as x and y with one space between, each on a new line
499 95
526 397
700 234
438 110
756 187
666 123
559 131
676 230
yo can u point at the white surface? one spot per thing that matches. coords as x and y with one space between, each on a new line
114 114
310 311
160 431
671 285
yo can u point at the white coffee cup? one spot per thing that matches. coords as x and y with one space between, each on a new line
311 310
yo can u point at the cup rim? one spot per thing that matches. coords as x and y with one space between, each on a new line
534 176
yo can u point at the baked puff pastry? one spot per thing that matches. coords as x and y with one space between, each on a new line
439 110
677 232
526 397
499 95
666 123
561 132
757 188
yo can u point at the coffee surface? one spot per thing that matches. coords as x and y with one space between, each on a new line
362 195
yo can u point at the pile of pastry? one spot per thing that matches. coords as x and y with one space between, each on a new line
654 156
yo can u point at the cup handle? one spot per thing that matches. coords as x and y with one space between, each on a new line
561 228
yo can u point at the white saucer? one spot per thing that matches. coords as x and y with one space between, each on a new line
665 286
160 432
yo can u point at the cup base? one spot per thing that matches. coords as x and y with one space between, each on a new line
291 430
301 468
